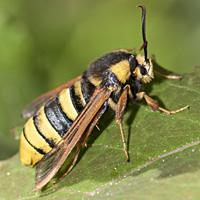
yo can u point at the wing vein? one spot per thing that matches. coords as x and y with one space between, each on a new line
52 161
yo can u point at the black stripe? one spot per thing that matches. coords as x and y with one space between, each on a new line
38 150
49 141
77 122
87 90
76 100
56 117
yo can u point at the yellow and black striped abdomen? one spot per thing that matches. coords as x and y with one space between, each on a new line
47 127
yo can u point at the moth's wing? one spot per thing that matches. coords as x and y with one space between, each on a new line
34 106
52 161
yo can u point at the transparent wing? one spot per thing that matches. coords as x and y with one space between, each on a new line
51 162
41 100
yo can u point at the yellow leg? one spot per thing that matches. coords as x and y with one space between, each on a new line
155 106
124 141
121 105
168 76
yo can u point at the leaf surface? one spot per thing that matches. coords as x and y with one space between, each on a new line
164 153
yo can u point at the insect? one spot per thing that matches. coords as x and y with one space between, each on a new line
64 117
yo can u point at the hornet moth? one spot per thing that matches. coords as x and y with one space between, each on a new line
64 117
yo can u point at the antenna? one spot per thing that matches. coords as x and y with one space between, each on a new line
144 46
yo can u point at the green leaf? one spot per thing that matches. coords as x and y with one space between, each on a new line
164 153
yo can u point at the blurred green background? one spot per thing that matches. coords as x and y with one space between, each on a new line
45 43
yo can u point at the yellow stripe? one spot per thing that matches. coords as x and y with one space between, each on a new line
28 155
67 105
94 80
121 70
34 137
112 104
45 127
78 92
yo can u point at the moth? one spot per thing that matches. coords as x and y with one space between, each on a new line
64 117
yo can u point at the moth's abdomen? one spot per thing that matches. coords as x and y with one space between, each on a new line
47 127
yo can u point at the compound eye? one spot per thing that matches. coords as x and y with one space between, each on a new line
143 70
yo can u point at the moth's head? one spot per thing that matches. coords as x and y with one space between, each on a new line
144 69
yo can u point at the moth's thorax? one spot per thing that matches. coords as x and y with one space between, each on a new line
121 70
117 68
114 65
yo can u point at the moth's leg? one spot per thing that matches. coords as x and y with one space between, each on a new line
155 106
195 67
121 105
83 139
168 76
164 75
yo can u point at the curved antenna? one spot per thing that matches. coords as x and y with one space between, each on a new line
144 46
